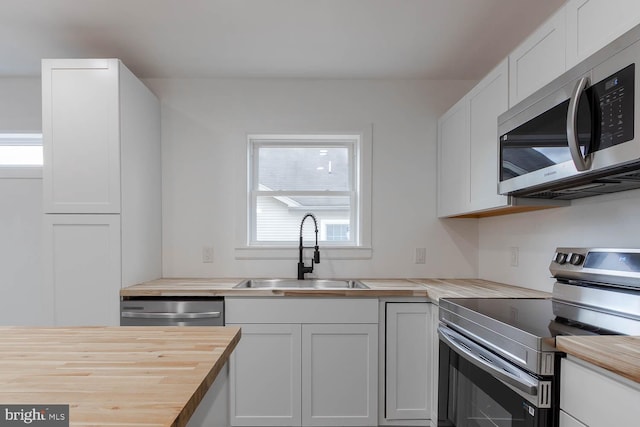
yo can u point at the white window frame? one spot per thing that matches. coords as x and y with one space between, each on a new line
256 142
17 139
359 247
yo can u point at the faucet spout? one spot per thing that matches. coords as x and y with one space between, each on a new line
302 269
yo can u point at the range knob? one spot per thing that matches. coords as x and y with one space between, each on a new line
561 257
576 259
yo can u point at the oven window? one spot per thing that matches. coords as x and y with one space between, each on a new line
470 397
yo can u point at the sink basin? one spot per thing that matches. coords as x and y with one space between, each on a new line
301 284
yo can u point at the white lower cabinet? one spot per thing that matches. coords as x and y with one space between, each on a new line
408 364
265 388
593 397
339 375
213 410
567 420
83 269
304 362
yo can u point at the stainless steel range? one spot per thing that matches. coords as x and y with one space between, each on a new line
498 361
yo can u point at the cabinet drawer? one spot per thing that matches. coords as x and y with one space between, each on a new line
596 399
300 310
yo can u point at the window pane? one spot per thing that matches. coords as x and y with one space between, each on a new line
278 218
20 155
303 168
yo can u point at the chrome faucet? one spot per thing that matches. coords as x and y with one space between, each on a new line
302 270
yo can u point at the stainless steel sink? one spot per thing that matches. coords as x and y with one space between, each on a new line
300 284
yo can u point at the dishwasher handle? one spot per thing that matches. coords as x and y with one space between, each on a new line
171 316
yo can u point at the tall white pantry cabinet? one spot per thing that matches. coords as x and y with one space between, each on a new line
102 187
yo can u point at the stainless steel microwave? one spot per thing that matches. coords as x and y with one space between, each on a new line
578 136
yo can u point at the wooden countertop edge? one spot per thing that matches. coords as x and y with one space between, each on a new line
364 293
185 415
582 348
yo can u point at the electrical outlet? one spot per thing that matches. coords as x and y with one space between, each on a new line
514 256
421 255
207 254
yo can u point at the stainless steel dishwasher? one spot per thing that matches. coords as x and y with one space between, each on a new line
213 410
172 311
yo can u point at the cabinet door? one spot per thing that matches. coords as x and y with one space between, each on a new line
408 347
487 101
80 127
592 24
340 375
265 384
567 420
453 161
597 399
539 59
82 268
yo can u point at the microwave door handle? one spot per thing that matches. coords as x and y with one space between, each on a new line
581 162
483 360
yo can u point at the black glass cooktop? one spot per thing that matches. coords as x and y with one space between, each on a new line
532 318
529 315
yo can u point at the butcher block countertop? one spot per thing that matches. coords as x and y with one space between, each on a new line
618 354
426 288
475 288
118 376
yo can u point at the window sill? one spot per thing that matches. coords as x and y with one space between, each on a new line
291 253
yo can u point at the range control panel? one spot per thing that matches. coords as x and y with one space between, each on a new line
612 266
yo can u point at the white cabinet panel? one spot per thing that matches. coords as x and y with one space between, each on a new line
265 369
408 366
213 410
567 420
595 398
101 136
539 59
339 383
291 373
487 101
592 24
80 119
83 272
453 161
435 355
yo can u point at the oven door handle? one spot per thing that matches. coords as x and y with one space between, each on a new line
488 362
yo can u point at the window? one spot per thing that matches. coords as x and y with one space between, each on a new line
21 149
291 175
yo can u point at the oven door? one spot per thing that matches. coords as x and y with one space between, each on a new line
480 389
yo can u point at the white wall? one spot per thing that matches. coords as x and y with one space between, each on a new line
20 105
204 128
21 284
602 221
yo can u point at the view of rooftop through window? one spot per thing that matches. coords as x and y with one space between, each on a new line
293 176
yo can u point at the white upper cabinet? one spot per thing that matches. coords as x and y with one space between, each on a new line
101 137
487 101
592 24
468 148
453 160
539 59
80 119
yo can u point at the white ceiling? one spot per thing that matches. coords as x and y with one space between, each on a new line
434 39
